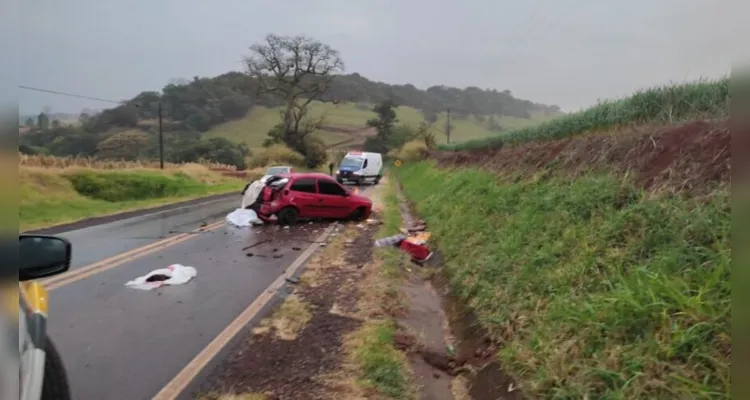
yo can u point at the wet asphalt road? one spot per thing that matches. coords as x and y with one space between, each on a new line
119 343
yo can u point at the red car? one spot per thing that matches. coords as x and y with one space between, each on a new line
310 195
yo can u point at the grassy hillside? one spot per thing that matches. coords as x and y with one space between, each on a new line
658 106
599 263
594 289
352 117
51 196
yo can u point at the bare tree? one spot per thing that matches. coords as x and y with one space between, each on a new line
299 69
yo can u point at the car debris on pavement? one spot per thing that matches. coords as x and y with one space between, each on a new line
175 274
412 240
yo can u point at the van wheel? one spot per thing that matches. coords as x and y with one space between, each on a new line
55 385
357 215
377 179
287 216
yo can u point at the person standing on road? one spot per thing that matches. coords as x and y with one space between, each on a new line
330 169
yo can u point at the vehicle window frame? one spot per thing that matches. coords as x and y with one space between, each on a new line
314 185
282 170
331 181
346 162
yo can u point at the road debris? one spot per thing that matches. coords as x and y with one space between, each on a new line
256 244
414 244
175 274
243 218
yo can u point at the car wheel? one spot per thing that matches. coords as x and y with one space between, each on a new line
358 214
55 385
287 216
377 179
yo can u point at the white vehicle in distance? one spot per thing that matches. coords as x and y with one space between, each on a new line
277 170
359 167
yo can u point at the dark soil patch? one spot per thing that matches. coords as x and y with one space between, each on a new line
287 369
692 156
491 383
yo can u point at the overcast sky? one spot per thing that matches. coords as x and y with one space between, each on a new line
564 52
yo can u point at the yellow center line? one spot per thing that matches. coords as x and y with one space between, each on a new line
115 261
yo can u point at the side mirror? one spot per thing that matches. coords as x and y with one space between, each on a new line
42 256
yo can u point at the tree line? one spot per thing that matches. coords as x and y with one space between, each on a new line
282 71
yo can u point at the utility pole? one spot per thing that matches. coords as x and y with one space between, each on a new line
448 126
161 138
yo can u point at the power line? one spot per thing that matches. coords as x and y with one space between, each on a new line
79 96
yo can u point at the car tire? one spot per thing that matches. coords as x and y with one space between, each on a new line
287 216
357 215
55 385
377 180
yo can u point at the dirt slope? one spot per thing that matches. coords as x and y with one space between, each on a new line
691 156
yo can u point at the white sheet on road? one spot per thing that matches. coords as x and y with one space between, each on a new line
242 218
178 274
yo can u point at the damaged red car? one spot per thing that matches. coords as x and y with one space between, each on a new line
295 196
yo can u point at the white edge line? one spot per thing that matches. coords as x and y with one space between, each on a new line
182 380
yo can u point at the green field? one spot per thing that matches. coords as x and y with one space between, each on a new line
253 128
51 196
663 105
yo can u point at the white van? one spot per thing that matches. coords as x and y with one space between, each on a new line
359 167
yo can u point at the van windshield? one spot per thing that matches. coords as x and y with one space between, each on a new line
352 162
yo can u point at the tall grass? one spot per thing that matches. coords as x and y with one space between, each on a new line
596 291
90 162
658 105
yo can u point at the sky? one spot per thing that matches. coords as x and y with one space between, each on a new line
565 52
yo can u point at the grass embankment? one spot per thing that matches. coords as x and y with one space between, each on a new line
659 106
51 196
379 365
254 127
596 290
